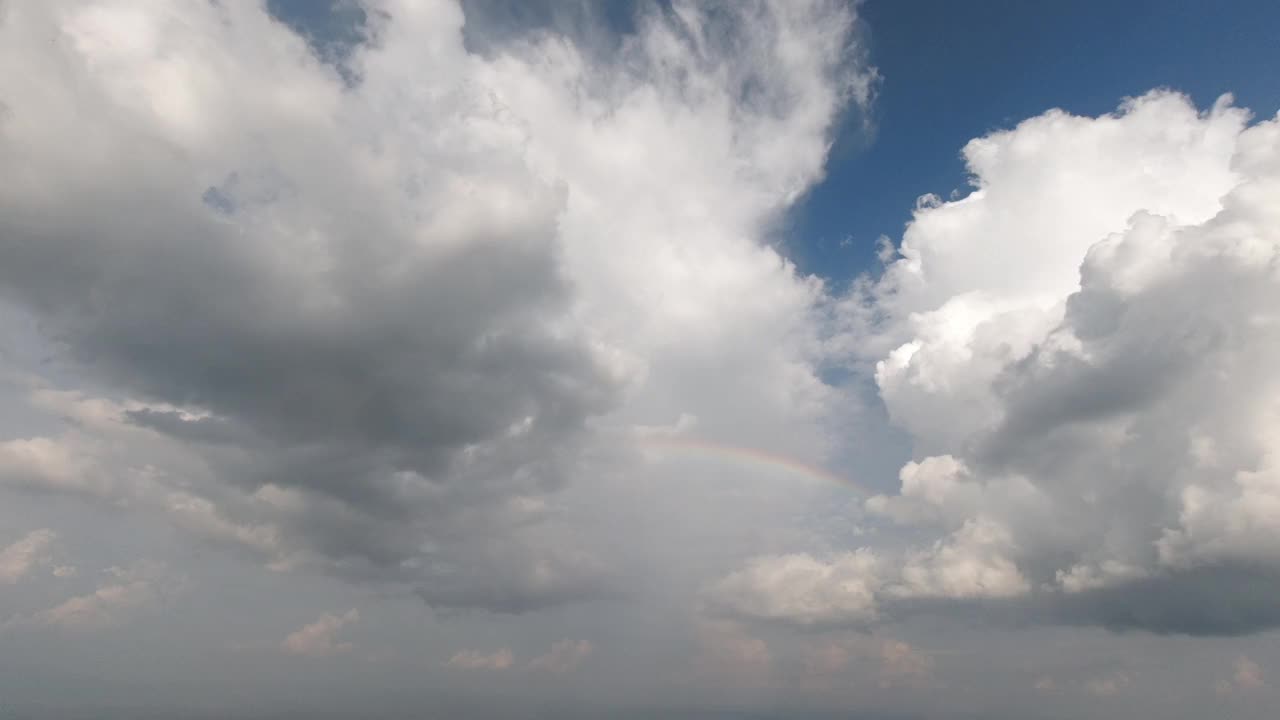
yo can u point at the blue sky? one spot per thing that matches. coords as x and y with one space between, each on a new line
957 70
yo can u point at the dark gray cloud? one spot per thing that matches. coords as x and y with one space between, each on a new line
1218 601
342 350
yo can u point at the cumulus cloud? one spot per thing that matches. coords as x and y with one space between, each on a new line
125 593
317 639
32 550
564 656
1108 685
1246 676
802 589
475 660
364 312
1083 352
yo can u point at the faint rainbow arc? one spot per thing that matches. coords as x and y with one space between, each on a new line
751 456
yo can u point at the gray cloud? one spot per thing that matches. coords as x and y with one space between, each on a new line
364 307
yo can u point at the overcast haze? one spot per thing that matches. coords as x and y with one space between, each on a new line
498 360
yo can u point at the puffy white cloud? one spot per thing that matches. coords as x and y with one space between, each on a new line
972 563
340 317
18 558
475 660
802 589
1084 351
564 656
317 639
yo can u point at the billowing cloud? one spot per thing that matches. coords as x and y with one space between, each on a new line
500 659
317 639
18 558
367 312
1083 351
802 589
564 656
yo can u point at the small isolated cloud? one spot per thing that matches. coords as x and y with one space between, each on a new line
1247 676
476 660
1045 683
18 559
563 657
1108 685
127 592
316 639
65 571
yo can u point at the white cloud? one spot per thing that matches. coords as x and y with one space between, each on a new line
317 639
973 563
1083 351
802 589
18 558
500 659
564 656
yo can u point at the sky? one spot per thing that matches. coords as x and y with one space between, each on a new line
472 359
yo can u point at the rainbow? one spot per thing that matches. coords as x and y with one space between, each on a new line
749 456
